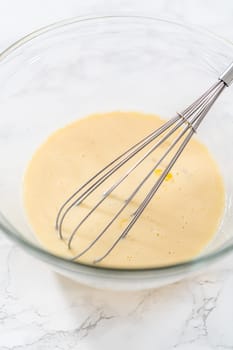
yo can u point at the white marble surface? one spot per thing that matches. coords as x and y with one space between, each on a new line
41 310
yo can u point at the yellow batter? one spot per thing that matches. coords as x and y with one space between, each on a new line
177 224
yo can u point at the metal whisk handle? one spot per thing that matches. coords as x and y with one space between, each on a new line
227 75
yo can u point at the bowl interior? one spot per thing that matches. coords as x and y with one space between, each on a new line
106 64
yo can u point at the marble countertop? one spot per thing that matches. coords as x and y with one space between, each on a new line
42 310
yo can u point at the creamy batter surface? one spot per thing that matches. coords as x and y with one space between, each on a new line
176 226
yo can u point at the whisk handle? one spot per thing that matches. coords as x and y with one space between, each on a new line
227 75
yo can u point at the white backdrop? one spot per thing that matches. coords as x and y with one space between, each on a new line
40 310
19 17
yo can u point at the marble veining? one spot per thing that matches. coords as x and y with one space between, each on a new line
42 310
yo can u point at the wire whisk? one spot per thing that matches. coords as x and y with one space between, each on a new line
183 126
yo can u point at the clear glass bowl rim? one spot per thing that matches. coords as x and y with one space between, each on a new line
14 235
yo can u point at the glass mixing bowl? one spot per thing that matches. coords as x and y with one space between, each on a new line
87 65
